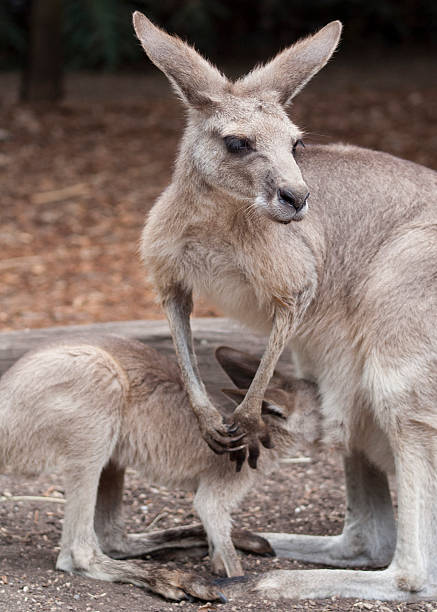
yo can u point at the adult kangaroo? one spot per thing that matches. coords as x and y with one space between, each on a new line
352 288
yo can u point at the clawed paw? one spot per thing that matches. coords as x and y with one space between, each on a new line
256 433
221 437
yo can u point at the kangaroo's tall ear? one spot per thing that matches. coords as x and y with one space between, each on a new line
291 70
241 367
194 79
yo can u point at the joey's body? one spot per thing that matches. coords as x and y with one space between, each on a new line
93 406
352 287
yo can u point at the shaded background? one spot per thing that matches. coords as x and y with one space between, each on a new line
89 128
97 34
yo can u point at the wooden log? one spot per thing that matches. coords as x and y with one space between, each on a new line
209 333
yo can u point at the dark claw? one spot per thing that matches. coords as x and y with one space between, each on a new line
238 438
266 441
215 447
253 455
222 445
233 428
227 440
234 449
240 458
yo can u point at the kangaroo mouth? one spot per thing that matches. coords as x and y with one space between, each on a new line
286 215
280 212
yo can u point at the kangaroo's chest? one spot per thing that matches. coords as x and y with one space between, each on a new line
219 274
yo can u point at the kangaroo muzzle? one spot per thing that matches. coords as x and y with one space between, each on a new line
289 205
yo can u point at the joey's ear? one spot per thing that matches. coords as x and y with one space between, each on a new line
196 81
237 396
291 70
240 367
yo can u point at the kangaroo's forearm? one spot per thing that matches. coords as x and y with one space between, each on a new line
279 335
178 308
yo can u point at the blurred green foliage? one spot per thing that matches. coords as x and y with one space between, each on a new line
98 33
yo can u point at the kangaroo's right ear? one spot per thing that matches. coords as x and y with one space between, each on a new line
194 79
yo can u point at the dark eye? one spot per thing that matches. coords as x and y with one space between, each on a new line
235 144
298 143
268 408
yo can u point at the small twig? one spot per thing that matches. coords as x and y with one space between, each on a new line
17 498
295 460
157 518
57 195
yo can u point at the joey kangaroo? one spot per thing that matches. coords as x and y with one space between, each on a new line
352 288
93 406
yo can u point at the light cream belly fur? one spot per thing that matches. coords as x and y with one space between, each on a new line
348 423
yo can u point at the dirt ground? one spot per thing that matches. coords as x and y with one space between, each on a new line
75 184
304 497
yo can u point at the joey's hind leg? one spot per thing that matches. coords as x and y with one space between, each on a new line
185 537
369 534
80 551
108 518
216 520
115 542
110 527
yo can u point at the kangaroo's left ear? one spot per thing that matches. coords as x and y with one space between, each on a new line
291 70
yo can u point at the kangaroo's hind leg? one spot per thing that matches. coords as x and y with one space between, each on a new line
369 533
412 573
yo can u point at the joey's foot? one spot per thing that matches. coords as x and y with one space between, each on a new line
252 543
256 432
177 585
221 437
227 565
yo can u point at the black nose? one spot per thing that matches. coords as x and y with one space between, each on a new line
285 196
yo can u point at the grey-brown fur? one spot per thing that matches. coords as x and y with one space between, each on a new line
91 407
352 288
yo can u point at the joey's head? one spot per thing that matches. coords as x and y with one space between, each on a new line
291 406
239 139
